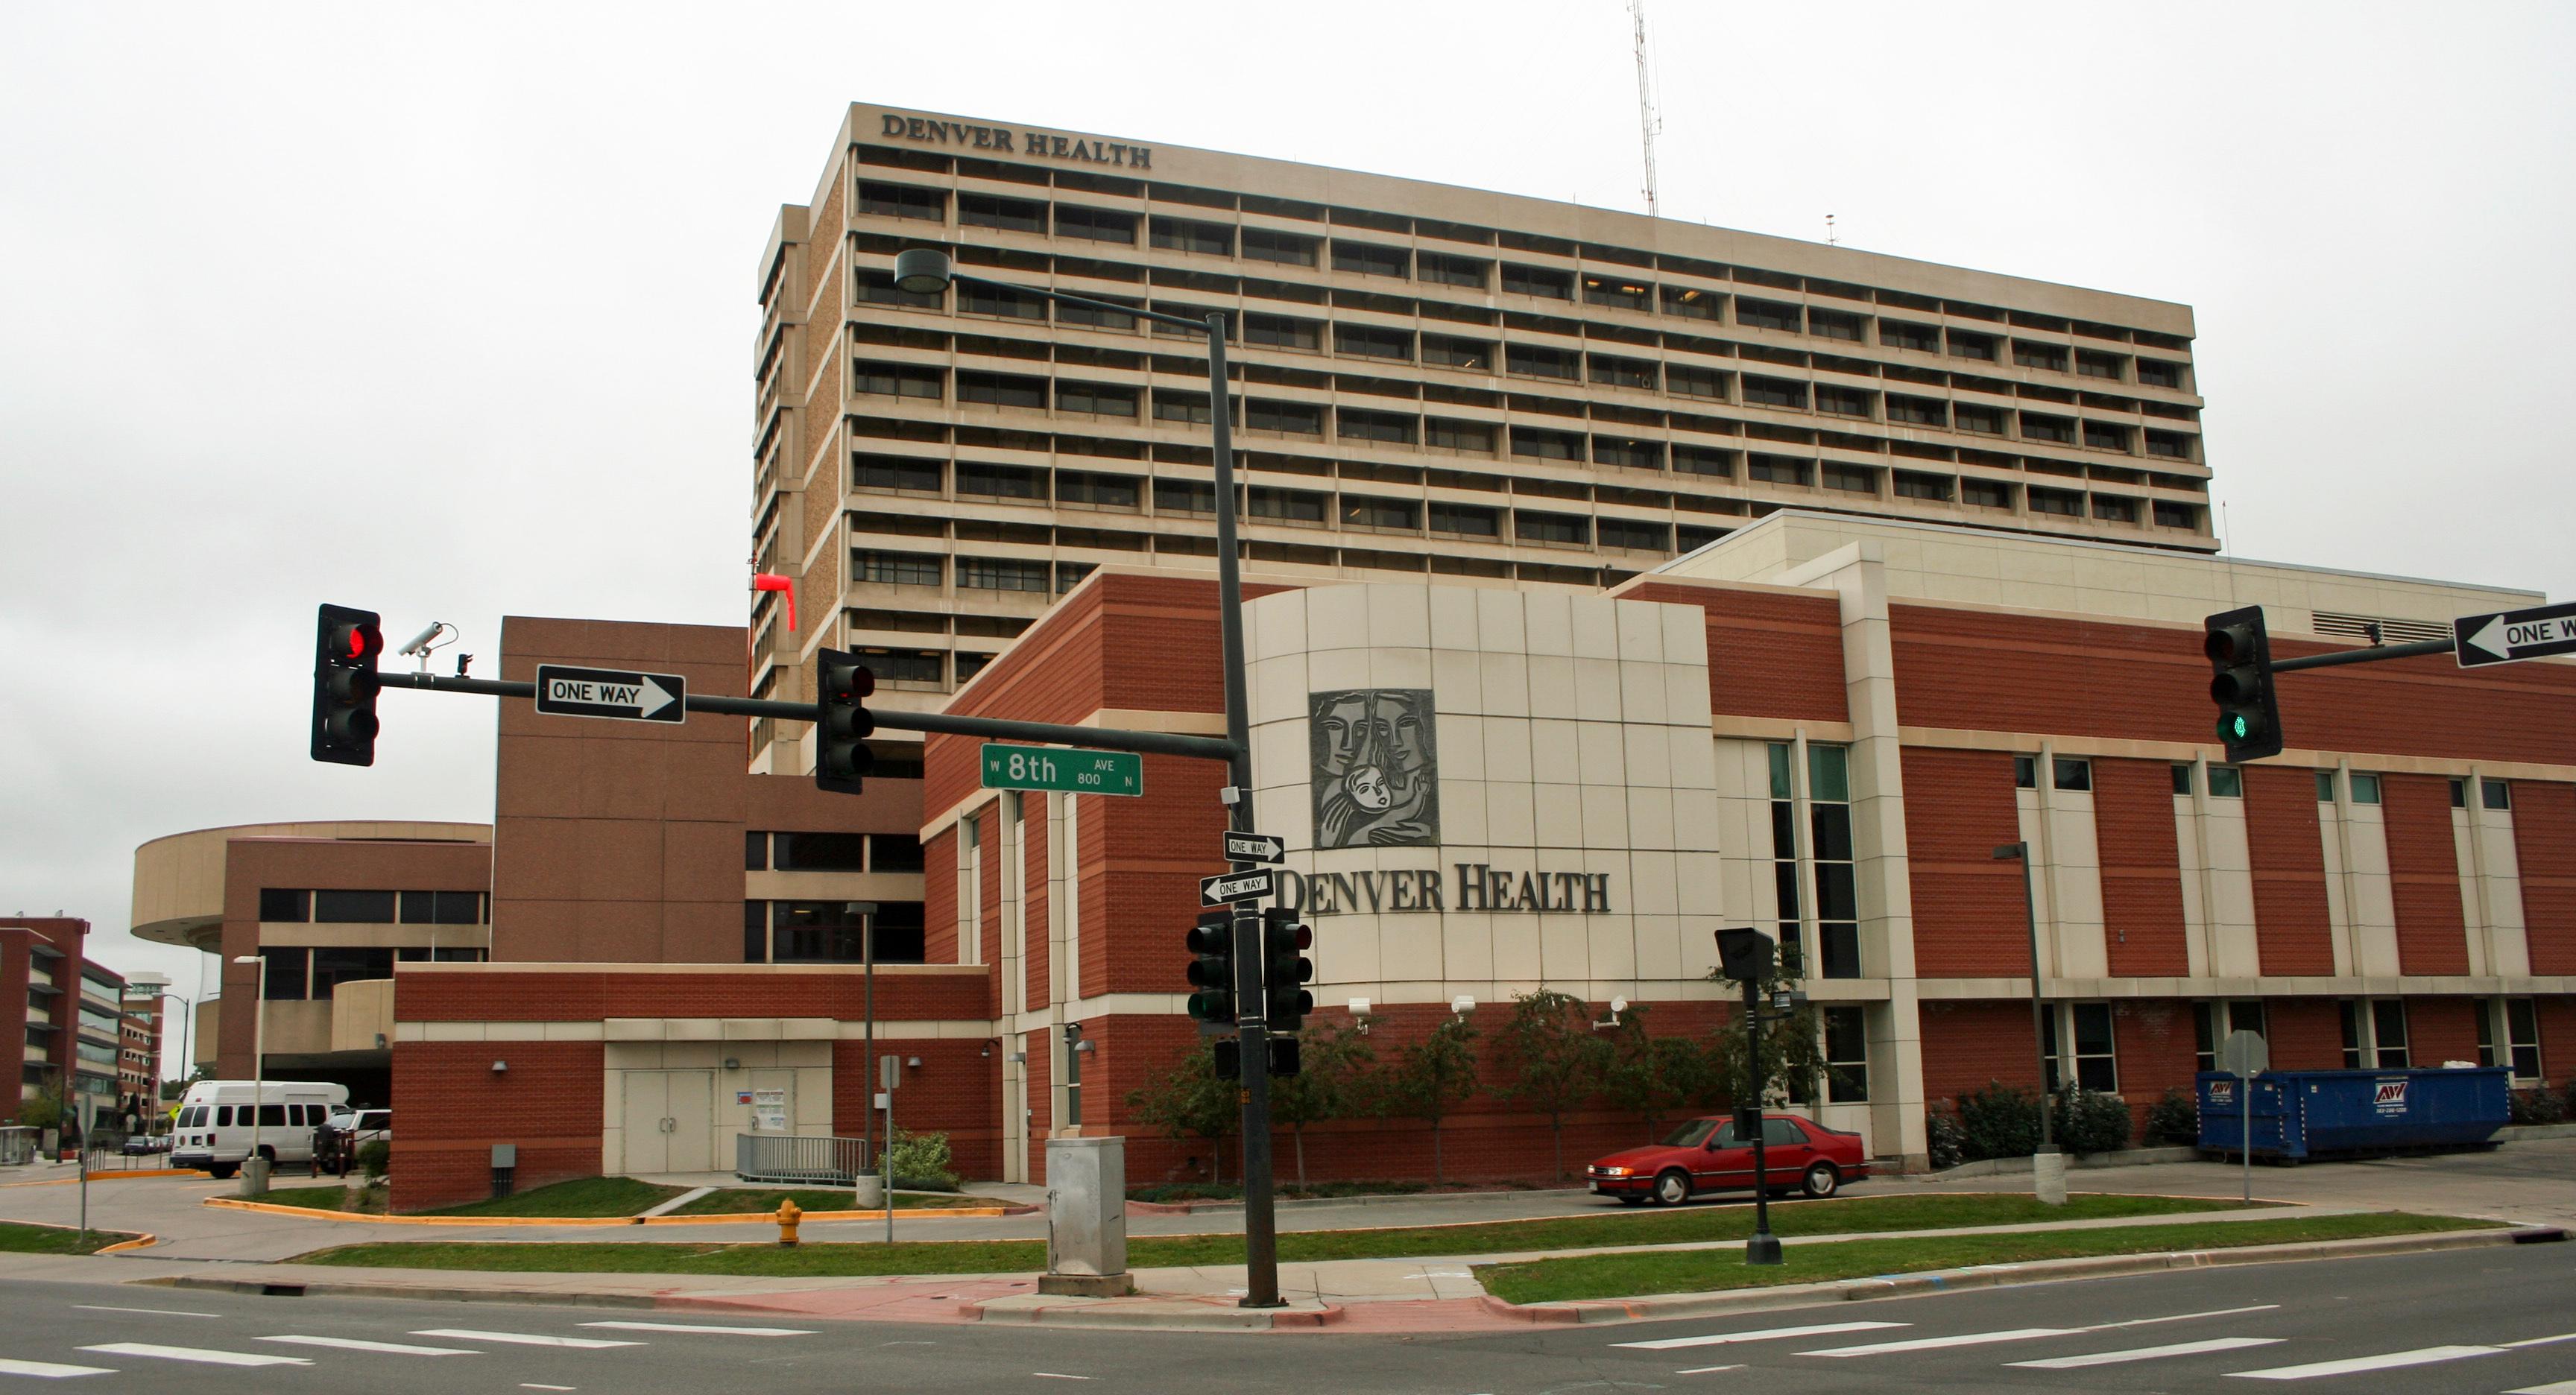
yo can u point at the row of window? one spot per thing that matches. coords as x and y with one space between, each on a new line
830 932
831 852
288 906
296 973
1611 289
2228 782
2078 1037
928 383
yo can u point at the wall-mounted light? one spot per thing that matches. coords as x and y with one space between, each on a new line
1359 1010
500 1067
733 1063
1020 1057
1462 1005
1617 1006
913 1062
1083 1047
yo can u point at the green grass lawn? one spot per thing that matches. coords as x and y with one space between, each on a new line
46 1240
1661 1227
582 1196
1628 1275
763 1201
333 1198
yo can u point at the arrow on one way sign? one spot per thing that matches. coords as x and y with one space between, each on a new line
1254 847
1237 886
2504 637
615 693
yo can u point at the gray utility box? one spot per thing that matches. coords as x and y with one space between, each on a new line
1086 1218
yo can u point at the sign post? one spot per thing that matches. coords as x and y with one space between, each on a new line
622 694
2245 1055
1062 770
889 1075
2509 636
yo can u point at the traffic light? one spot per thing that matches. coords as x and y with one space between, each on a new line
1285 969
842 686
1211 944
1229 1058
346 644
1284 1059
2240 660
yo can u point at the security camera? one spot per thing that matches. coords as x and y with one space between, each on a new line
420 642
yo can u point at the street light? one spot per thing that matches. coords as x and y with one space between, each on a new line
929 271
2046 1178
252 1166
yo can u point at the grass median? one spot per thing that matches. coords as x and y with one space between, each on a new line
1629 1275
760 1203
55 1240
583 1196
1685 1225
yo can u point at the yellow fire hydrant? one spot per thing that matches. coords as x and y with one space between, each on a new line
788 1215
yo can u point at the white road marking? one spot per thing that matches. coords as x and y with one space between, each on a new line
2421 1356
1704 1370
1057 1375
163 1312
2539 1341
691 1327
2184 1317
50 1370
1964 1339
2556 1387
524 1339
523 1385
2114 1358
1766 1334
200 1355
388 1348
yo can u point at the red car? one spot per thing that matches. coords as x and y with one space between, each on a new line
1704 1155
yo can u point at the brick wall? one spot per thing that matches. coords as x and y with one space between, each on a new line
2155 1046
952 1091
2133 822
498 993
2424 874
1967 1044
454 1107
2304 1033
1969 920
939 897
1769 654
2440 1030
2544 840
2292 931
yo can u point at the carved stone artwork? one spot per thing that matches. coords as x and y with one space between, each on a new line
1376 768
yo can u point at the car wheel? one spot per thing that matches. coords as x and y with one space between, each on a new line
222 1172
1822 1181
1672 1188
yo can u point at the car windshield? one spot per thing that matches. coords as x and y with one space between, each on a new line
1691 1134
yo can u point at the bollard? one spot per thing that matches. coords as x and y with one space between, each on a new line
788 1215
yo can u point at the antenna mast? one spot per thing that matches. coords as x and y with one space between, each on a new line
1647 121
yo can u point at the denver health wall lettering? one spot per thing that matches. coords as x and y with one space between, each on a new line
1475 886
1039 144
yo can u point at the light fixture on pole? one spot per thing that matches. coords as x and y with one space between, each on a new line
2048 1167
930 271
1746 956
254 1167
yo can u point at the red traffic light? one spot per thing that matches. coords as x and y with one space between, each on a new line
352 643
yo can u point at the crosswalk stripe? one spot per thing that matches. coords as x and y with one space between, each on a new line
2421 1356
201 1355
2114 1358
696 1327
2556 1387
388 1348
50 1370
2539 1341
524 1339
1704 1370
1964 1339
1766 1334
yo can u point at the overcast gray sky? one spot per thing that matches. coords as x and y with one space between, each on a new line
446 310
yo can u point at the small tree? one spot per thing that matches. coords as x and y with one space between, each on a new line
1334 1065
1793 1049
1557 1060
1189 1101
1651 1076
1431 1078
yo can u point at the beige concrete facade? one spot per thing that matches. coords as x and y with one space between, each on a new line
1432 381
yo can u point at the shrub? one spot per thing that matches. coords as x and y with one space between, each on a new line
1999 1121
1947 1141
2174 1121
2537 1105
374 1157
2089 1121
42 1112
920 1162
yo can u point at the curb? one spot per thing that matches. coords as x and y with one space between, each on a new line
141 1240
1208 1319
122 1174
420 1293
144 1241
2018 1166
271 1208
1178 1208
1996 1276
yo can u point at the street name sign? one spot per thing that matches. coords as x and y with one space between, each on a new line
622 694
1237 886
2507 636
1254 847
1064 770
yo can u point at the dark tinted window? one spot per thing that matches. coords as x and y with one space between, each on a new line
281 905
354 907
821 852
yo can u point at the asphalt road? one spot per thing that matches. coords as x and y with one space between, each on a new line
2460 1314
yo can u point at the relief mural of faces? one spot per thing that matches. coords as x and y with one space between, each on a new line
1376 773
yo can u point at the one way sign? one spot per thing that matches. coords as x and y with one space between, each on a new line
605 692
2506 636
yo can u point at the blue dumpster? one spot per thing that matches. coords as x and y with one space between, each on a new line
2310 1113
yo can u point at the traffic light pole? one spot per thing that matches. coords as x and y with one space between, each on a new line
2371 655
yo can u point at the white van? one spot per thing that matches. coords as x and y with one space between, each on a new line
216 1122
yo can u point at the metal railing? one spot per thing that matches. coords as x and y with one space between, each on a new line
776 1157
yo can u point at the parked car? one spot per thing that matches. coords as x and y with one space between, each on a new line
221 1122
144 1145
1705 1155
336 1143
